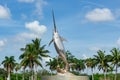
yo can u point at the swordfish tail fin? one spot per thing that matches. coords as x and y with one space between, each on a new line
54 21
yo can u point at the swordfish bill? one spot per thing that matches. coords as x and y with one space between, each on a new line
54 21
58 44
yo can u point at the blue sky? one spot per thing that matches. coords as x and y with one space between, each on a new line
88 25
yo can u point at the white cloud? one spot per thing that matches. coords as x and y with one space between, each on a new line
24 36
4 12
36 27
99 15
26 1
118 42
39 4
94 48
35 31
2 43
84 56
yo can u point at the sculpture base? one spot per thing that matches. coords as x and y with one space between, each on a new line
65 76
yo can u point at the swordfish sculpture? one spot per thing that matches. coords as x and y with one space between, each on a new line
59 47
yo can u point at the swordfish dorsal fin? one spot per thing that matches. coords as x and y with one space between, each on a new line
62 39
55 29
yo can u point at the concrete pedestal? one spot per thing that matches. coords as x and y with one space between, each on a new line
66 76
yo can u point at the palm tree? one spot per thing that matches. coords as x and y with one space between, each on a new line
71 60
33 53
91 63
69 57
40 51
79 65
3 73
115 59
23 71
102 61
17 67
52 63
29 58
57 62
9 64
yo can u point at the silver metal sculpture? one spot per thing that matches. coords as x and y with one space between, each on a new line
58 44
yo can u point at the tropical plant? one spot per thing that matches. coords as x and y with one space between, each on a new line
33 53
71 60
115 59
69 57
3 74
79 65
29 58
91 63
102 61
17 67
52 63
40 51
9 64
55 62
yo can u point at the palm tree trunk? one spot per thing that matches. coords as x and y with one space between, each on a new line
105 74
31 68
32 76
29 78
5 78
92 74
116 72
51 72
23 76
8 78
35 75
16 76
